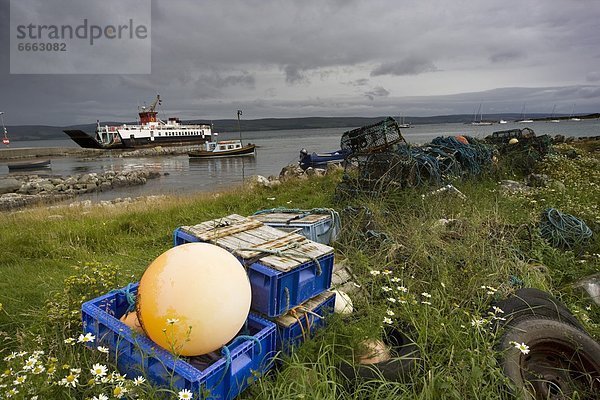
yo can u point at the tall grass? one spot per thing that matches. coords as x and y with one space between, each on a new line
442 275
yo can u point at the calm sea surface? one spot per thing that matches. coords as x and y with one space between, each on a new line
275 150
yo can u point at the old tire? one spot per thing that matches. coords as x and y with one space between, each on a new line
525 303
562 360
397 369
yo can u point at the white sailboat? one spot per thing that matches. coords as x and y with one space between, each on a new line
552 119
5 139
523 120
571 117
403 124
479 122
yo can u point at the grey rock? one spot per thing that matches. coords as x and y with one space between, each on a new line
591 286
557 185
537 180
258 181
514 187
9 185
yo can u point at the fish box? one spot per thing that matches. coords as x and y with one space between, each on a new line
319 228
285 269
299 324
136 355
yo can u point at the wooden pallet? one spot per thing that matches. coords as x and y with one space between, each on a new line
287 218
240 235
291 318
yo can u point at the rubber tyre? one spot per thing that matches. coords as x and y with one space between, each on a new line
398 369
562 360
525 303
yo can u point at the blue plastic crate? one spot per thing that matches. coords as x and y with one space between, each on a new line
319 228
294 327
135 354
275 292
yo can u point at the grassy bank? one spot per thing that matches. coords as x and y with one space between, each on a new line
442 278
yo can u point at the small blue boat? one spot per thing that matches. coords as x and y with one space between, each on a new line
320 160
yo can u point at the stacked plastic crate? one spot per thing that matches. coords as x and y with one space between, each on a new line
318 225
136 355
289 274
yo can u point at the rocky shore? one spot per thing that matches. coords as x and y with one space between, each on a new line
24 190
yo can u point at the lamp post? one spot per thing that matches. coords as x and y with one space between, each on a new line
239 113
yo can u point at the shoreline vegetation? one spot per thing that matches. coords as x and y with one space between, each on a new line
443 261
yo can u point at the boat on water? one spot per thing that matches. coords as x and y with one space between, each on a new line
5 139
552 117
404 124
29 165
321 160
224 148
150 131
503 121
480 121
523 120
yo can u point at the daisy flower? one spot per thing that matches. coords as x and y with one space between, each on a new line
374 272
185 395
87 338
99 370
522 347
103 349
119 391
139 380
390 313
387 320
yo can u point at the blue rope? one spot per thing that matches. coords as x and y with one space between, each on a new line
564 230
129 296
225 352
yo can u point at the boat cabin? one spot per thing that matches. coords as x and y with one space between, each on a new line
224 145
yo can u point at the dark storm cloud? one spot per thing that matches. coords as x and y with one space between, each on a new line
357 82
377 92
294 75
292 58
407 66
505 56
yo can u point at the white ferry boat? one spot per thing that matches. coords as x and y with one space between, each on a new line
149 132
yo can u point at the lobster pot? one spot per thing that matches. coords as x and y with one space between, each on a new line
319 228
302 322
285 269
372 138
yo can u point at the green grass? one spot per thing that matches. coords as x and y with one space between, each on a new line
50 264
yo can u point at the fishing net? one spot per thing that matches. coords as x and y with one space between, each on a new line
400 166
372 138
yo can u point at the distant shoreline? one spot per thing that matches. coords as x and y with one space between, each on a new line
46 132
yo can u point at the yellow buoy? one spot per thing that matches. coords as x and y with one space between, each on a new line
131 320
193 299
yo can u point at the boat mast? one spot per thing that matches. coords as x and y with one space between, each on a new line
5 138
239 113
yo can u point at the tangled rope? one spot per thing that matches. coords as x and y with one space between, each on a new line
564 230
129 294
436 163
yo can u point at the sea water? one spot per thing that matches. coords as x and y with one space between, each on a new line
276 149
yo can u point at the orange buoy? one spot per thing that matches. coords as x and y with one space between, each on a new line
462 139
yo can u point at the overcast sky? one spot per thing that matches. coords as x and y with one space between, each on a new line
274 58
